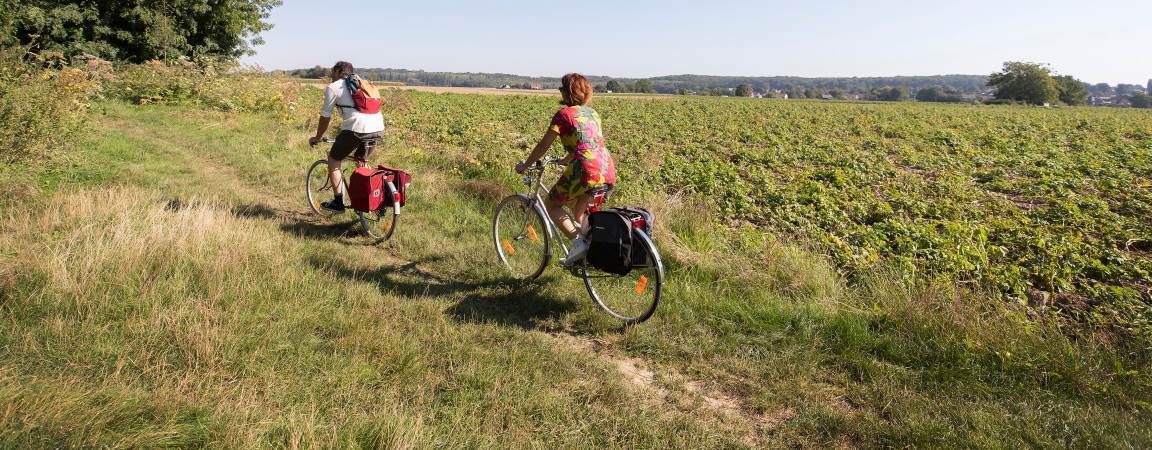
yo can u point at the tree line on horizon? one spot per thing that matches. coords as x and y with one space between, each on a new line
941 88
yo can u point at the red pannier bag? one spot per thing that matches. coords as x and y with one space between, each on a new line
366 189
401 179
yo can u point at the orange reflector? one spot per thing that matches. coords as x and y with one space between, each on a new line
509 248
532 234
641 285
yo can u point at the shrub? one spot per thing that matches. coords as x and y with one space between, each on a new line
219 85
41 109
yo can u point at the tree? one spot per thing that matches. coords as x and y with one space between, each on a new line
1128 89
939 94
615 86
1025 82
644 87
140 30
1149 90
837 93
890 94
796 92
743 90
1141 101
1103 89
1071 90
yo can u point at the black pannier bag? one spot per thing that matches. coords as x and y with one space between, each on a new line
612 247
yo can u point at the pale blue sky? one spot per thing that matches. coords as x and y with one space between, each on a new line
1103 41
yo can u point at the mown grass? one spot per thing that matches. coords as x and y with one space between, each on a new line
170 290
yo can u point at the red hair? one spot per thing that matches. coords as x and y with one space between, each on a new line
576 90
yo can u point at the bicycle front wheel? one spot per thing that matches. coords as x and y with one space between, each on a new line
319 187
523 241
381 223
632 298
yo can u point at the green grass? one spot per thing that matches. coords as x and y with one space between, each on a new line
169 289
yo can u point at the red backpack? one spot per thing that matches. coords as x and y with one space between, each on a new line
365 96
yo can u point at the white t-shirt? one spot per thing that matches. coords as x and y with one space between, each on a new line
335 95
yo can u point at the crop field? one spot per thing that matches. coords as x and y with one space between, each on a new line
1052 206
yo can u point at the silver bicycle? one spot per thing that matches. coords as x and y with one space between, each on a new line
526 240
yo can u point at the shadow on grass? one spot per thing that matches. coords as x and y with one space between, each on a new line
320 231
247 211
259 211
500 301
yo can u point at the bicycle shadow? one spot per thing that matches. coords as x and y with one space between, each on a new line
497 301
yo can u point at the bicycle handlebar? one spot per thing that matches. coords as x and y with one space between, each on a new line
324 140
542 162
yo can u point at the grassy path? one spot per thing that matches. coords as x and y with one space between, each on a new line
171 289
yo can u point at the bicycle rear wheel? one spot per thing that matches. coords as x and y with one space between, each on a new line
632 298
381 223
319 187
523 241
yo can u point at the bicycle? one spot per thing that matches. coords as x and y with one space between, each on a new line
379 224
523 235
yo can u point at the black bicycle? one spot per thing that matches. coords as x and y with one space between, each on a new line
379 224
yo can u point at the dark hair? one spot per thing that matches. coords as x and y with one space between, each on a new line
342 69
575 89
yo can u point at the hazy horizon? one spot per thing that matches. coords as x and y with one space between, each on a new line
645 39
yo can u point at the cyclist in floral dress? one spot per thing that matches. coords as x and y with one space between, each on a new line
590 168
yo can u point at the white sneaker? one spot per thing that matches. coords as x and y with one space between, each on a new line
579 249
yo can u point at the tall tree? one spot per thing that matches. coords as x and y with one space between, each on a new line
615 86
140 30
1071 90
743 90
1025 82
644 87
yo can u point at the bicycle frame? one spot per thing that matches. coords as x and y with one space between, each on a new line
534 178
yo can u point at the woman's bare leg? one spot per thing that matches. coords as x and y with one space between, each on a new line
559 215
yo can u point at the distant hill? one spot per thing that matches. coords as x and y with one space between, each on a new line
666 84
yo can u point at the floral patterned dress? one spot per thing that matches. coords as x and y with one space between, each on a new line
579 130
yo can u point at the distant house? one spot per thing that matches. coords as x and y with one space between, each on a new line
506 86
1116 101
536 87
827 97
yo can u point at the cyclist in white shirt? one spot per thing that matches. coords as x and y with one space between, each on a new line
358 136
